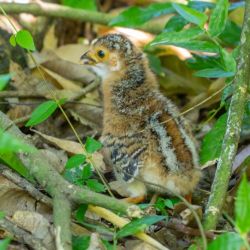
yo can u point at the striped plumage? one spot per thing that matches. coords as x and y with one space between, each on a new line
146 151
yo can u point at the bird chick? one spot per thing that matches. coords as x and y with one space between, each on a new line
147 141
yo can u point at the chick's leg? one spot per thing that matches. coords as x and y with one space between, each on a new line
137 191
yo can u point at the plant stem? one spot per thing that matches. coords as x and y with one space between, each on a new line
233 129
55 10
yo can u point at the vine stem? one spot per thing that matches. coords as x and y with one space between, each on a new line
233 129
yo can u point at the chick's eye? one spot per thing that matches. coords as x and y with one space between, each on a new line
101 53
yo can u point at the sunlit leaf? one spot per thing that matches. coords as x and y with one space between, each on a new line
227 61
174 37
242 206
191 15
138 225
226 241
42 112
92 145
25 40
4 80
135 16
75 161
12 40
218 18
212 142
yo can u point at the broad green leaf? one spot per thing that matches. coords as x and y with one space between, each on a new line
80 242
242 207
227 61
96 186
74 175
25 40
135 16
218 18
15 163
226 241
75 161
11 144
175 23
2 214
191 15
92 145
231 34
174 37
81 4
4 80
200 5
199 62
12 40
80 212
196 45
212 142
86 172
4 243
42 112
138 225
155 64
213 73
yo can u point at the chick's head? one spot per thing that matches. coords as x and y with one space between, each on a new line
110 53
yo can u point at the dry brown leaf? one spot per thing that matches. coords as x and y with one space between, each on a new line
37 225
71 52
63 82
50 40
13 198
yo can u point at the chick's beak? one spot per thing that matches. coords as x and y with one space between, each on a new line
88 59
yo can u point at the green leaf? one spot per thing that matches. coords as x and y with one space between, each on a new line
174 37
175 23
231 34
25 40
218 18
11 159
96 186
74 175
169 203
84 4
4 80
92 145
80 212
86 172
80 242
4 243
75 161
10 144
2 214
134 16
42 112
212 142
155 64
196 45
227 61
213 73
12 40
226 241
191 15
138 225
242 207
